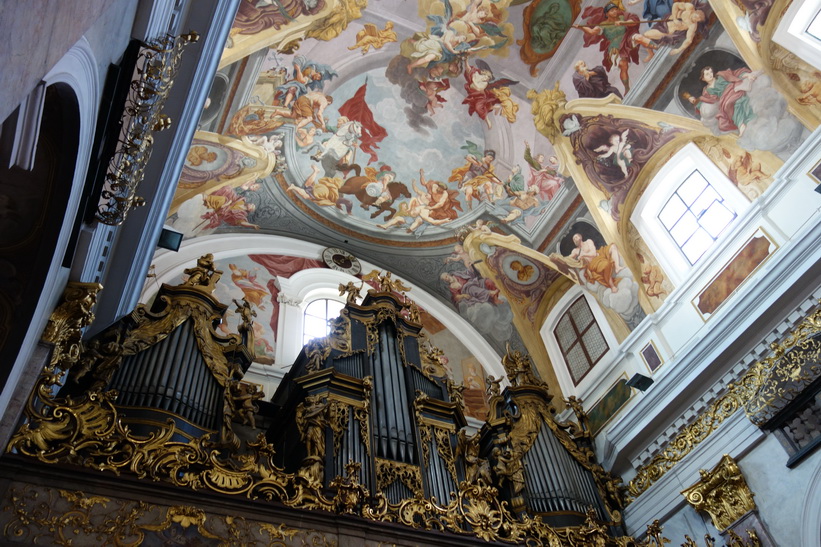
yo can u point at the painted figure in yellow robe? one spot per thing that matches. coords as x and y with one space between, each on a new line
372 37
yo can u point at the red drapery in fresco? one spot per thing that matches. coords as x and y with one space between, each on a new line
357 109
284 266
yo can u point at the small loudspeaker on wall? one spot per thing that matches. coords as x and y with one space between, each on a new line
640 382
169 239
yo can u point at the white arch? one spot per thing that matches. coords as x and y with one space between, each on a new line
591 382
78 70
811 517
169 265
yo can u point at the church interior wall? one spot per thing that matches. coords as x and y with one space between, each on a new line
700 353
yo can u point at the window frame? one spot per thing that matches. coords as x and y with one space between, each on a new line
310 302
793 34
667 181
589 382
579 339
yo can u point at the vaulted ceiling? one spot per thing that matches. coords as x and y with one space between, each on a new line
396 129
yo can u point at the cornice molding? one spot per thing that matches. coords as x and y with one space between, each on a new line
706 354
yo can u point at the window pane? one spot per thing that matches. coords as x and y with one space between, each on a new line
692 187
716 219
577 363
316 308
564 333
315 326
672 211
684 229
697 245
579 336
581 314
706 200
334 308
594 342
814 28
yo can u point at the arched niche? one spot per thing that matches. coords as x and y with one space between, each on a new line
303 285
42 204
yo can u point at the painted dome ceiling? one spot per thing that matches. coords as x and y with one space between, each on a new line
395 129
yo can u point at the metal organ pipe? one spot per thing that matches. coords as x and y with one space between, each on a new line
393 404
161 399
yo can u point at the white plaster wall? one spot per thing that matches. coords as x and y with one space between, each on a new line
780 492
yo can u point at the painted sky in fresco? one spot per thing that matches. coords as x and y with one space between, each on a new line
439 150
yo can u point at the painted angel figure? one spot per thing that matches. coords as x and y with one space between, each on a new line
428 49
307 76
487 95
589 265
481 18
432 89
677 28
544 174
372 37
620 149
433 204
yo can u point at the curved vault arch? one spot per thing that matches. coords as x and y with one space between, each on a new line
169 265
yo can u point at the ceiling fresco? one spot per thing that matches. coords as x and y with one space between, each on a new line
485 150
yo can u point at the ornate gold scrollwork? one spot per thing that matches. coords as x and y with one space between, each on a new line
445 450
432 364
65 325
42 515
350 493
156 68
765 388
340 336
388 472
319 349
794 364
430 432
362 413
735 540
722 493
338 419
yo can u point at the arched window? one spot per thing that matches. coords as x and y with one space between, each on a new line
695 215
316 316
685 210
799 31
580 339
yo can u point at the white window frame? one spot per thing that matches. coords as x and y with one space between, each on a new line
325 293
590 381
645 216
792 31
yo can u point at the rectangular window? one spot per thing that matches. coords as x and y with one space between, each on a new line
580 339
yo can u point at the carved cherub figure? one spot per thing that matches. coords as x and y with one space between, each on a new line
350 289
243 402
204 274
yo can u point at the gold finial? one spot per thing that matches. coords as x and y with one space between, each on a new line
519 368
205 275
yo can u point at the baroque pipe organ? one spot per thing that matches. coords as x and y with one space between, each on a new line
374 394
366 423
